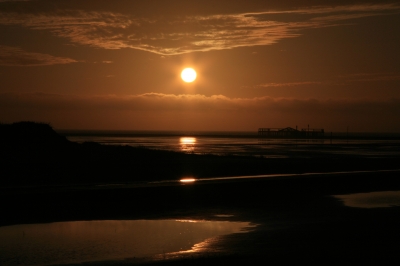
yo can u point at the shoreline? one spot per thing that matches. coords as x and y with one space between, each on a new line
226 134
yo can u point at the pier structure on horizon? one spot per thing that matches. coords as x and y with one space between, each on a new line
289 132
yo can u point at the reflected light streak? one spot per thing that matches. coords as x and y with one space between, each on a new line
187 180
207 246
294 175
227 178
199 247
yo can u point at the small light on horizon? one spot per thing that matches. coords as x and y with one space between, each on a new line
187 221
187 180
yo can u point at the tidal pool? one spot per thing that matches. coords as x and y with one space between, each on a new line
84 241
379 199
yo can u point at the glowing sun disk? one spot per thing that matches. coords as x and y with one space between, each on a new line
188 75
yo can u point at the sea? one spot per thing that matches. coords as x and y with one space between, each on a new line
375 145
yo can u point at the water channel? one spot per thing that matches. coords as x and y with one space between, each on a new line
84 241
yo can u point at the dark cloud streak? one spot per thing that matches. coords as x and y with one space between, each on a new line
13 56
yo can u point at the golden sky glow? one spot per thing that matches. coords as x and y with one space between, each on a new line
104 64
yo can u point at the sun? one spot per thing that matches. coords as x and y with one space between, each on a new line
188 75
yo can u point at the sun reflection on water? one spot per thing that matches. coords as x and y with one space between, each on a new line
187 144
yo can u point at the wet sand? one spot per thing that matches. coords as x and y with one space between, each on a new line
298 219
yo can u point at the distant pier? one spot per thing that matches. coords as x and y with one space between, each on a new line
289 132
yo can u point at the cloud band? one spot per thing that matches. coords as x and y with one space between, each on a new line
218 111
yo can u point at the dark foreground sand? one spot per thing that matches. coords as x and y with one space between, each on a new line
298 220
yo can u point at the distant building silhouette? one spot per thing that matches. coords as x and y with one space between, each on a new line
289 132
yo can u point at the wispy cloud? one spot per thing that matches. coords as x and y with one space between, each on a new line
14 1
287 84
334 9
194 102
13 56
180 35
337 80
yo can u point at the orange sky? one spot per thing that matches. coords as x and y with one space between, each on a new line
116 64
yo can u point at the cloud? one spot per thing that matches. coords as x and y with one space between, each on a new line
337 80
334 9
13 56
193 102
288 84
188 34
199 112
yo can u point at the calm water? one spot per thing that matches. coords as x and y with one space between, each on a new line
378 199
234 143
82 241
